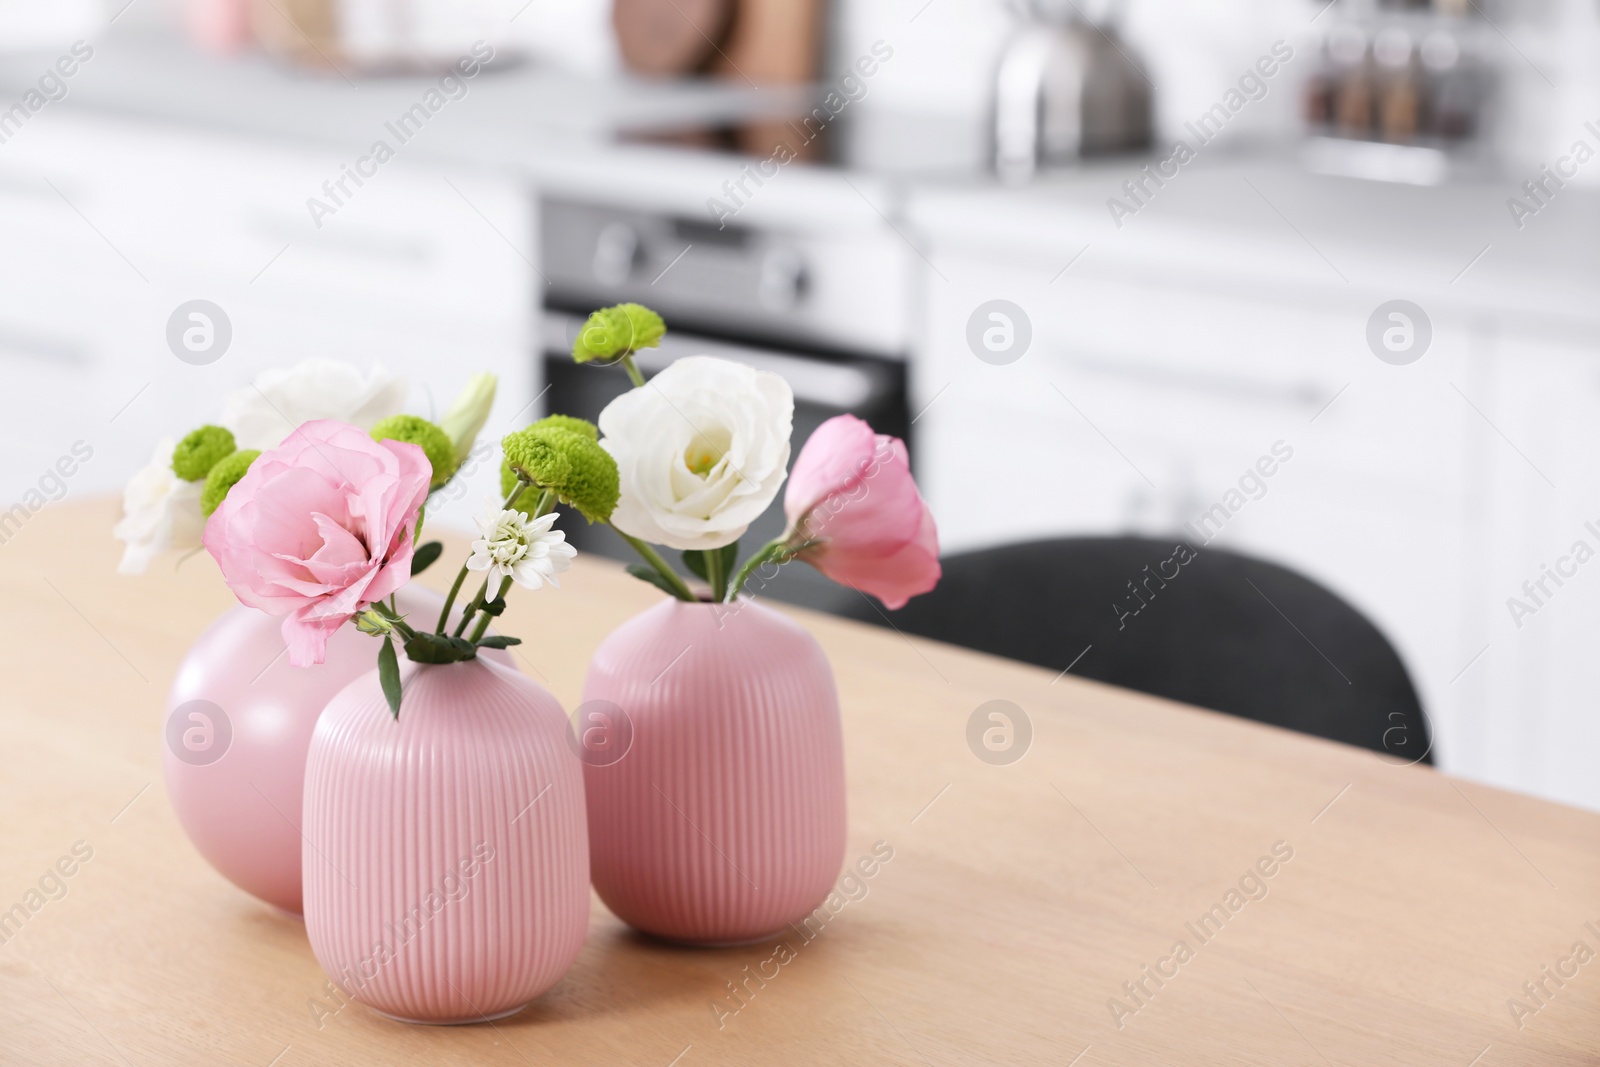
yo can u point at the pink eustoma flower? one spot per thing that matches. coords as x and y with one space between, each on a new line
851 491
319 528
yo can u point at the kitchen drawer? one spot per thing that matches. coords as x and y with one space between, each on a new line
183 206
409 273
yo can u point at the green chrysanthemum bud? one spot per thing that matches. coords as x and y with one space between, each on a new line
617 331
571 465
508 481
569 423
223 477
434 442
508 477
197 453
531 454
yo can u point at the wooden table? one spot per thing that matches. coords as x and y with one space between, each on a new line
1019 901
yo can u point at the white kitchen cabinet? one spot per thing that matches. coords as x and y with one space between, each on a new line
107 226
1148 393
1536 691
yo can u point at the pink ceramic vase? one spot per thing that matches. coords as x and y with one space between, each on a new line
446 851
221 27
722 819
239 721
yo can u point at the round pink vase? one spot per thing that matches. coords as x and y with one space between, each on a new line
446 853
714 768
239 720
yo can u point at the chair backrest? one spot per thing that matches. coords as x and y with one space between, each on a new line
1196 624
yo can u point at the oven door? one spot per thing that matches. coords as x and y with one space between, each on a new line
824 384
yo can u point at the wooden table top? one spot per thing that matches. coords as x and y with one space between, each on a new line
1401 917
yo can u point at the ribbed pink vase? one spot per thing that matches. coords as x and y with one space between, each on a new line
446 853
714 768
239 721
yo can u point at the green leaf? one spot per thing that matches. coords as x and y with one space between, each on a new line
425 556
695 560
653 576
389 676
437 648
495 607
499 641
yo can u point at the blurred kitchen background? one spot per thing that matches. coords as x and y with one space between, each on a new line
842 191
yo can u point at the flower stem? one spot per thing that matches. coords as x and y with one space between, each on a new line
633 370
449 601
472 607
680 588
714 575
781 549
483 620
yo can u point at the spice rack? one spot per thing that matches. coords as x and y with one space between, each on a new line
1402 90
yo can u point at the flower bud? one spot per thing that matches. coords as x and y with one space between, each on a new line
434 442
201 450
571 465
223 477
617 331
467 415
370 622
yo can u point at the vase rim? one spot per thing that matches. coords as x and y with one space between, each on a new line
703 600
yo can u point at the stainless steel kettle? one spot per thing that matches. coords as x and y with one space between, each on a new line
1066 88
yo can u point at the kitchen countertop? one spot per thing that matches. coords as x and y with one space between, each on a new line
1253 214
540 125
1255 221
1399 911
141 72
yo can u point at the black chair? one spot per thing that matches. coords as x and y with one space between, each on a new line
1196 624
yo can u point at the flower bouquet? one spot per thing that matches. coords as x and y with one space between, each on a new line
714 767
446 780
321 533
239 717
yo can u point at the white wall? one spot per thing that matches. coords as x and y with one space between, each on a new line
1194 50
945 51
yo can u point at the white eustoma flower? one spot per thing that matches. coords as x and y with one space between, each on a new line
525 550
261 415
160 511
701 450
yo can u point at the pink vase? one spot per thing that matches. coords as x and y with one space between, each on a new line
722 819
221 27
239 721
446 852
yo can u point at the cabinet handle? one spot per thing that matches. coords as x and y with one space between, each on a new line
347 242
52 350
1304 394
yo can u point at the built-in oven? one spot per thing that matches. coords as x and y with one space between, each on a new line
755 297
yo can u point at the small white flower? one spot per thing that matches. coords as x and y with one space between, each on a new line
159 511
525 550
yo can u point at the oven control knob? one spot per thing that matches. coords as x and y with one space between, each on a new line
783 280
616 253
